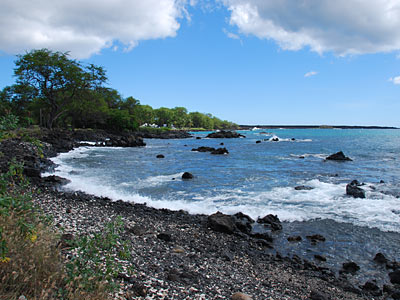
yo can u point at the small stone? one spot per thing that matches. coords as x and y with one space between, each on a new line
68 210
22 297
178 250
240 296
165 237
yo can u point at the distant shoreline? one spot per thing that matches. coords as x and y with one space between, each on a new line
246 127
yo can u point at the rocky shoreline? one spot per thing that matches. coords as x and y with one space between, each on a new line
180 256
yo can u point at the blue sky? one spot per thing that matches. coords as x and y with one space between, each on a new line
242 60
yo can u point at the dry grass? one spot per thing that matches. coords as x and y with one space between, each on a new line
31 263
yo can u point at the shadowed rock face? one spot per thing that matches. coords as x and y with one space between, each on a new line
339 156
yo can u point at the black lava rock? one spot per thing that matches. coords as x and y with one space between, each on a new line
187 175
339 156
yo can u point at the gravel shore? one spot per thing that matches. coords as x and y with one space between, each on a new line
176 256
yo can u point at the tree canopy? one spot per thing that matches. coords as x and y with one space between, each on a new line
52 90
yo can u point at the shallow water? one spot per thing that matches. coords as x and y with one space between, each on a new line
259 178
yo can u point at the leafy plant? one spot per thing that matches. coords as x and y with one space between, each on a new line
96 259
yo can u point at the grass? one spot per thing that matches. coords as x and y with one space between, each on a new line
31 263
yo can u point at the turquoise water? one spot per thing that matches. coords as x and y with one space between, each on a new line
259 179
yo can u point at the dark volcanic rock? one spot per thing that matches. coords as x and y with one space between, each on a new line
160 156
315 238
320 257
56 180
187 175
224 134
303 188
372 288
165 236
271 220
220 151
204 149
263 236
296 238
380 258
243 222
353 189
350 267
339 156
221 222
258 142
395 277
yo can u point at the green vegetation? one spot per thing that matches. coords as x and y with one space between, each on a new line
52 90
31 264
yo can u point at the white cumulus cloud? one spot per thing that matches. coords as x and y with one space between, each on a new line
395 80
85 27
341 26
311 73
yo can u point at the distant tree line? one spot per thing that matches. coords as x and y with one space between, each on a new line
52 90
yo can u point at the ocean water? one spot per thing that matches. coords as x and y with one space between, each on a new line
259 179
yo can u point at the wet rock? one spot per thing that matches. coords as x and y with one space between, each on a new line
220 151
160 156
53 179
221 144
187 175
221 222
258 142
204 149
316 238
353 189
303 188
198 138
295 238
225 134
339 156
240 296
350 267
165 236
275 139
380 258
395 277
271 220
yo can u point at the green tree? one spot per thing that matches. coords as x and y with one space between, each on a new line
56 80
144 114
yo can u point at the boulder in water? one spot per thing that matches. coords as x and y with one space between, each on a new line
160 156
353 189
187 175
224 134
339 156
220 151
